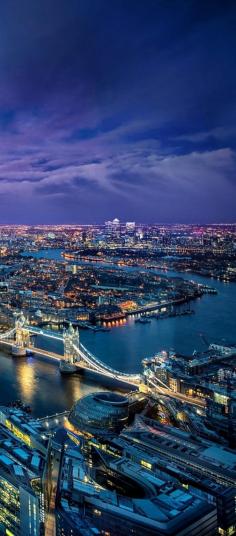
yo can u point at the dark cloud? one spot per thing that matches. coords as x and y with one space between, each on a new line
117 107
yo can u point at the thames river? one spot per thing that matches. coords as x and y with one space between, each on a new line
39 383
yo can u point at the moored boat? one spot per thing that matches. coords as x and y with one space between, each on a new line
143 320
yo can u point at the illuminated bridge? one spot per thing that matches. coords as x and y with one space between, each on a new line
76 355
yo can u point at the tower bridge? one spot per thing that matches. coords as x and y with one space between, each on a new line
76 355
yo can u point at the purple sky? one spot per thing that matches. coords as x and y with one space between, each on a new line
117 109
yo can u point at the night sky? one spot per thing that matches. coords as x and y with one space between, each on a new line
112 108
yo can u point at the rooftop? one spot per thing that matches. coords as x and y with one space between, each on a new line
165 506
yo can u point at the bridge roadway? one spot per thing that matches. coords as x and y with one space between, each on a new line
129 380
84 366
156 389
177 396
89 362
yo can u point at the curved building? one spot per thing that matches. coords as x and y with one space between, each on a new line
100 412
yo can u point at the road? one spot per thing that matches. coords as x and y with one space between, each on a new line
162 390
178 396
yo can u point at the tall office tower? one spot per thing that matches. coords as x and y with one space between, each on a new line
113 229
108 227
130 227
19 503
23 449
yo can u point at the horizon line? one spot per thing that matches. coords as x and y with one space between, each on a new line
120 221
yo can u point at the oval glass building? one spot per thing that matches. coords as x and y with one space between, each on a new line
100 413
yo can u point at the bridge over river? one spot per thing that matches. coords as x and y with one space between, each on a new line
76 355
78 358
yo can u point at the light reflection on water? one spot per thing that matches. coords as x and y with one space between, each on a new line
27 381
38 383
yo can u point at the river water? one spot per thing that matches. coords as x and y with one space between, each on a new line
39 383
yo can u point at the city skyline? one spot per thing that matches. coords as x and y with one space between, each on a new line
117 268
124 110
118 391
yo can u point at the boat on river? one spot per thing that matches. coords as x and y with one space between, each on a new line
143 320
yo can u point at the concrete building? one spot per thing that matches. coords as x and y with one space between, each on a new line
107 495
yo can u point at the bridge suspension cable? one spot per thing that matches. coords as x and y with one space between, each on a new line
87 356
95 362
7 334
48 334
92 361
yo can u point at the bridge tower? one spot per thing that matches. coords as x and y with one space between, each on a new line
71 343
22 337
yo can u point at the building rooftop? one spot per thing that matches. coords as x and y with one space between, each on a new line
20 424
18 460
108 397
183 447
164 505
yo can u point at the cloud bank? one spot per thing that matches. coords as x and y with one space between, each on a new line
117 109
